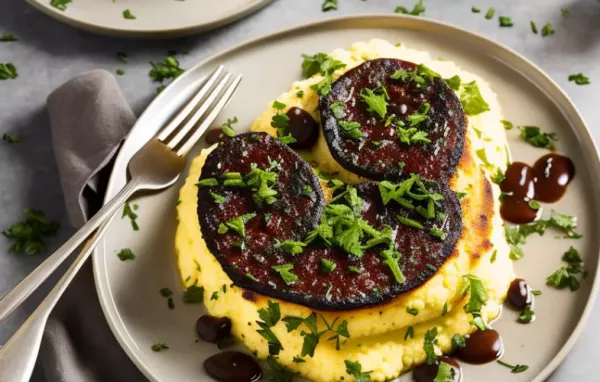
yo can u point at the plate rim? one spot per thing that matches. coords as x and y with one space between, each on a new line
67 18
577 124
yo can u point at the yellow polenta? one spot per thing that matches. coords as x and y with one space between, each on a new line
376 334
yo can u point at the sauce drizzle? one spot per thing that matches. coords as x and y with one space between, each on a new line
232 366
428 373
481 347
546 182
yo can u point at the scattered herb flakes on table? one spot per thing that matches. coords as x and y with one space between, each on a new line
329 5
29 235
60 4
579 79
126 254
128 15
8 71
418 9
11 138
8 37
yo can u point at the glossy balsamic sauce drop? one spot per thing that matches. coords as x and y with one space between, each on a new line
427 373
520 294
546 182
232 366
303 127
213 329
483 346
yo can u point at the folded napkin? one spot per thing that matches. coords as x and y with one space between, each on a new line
89 118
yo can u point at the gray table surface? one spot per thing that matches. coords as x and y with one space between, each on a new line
49 53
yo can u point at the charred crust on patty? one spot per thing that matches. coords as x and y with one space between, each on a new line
446 124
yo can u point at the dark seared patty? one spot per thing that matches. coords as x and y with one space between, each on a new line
379 154
367 282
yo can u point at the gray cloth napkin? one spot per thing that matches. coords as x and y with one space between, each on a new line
89 118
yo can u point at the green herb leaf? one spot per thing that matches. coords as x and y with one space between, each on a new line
453 82
11 138
535 137
329 5
498 177
565 12
300 94
547 30
376 102
227 128
478 294
290 246
8 71
126 254
8 37
412 311
527 315
269 318
471 99
284 271
409 222
355 369
28 236
475 9
410 332
505 21
579 79
60 4
166 292
490 13
327 266
514 368
458 342
445 373
350 129
278 372
159 347
534 28
238 224
193 294
214 296
169 69
429 345
507 124
337 109
128 15
207 182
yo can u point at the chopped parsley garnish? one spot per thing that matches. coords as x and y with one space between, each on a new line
128 15
475 9
565 276
410 332
445 309
300 94
412 311
193 294
214 296
493 257
120 72
498 177
490 13
445 373
307 190
311 339
471 99
169 69
534 136
514 368
478 294
350 129
268 318
280 122
417 10
159 347
285 273
122 56
483 157
61 5
458 342
429 345
279 373
527 315
376 102
126 254
11 138
29 235
251 277
409 222
355 369
436 232
337 108
579 79
236 224
8 71
565 12
547 30
208 182
353 268
322 64
505 21
534 28
290 246
166 292
391 258
261 183
507 124
453 82
534 205
329 5
226 128
218 198
412 135
8 37
297 359
327 266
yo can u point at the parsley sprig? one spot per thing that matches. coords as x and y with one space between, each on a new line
514 368
8 71
280 122
323 64
417 10
313 335
269 317
536 137
355 369
565 276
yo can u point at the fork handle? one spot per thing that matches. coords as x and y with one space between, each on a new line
30 283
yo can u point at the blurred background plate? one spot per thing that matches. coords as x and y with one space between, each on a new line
153 18
129 291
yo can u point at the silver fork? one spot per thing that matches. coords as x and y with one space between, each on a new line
157 165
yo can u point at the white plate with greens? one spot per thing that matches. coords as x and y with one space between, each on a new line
129 291
147 18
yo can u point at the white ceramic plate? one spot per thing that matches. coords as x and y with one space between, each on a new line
154 18
129 291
